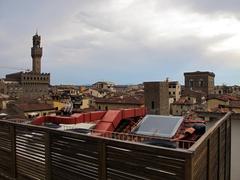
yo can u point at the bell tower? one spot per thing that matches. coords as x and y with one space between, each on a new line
36 52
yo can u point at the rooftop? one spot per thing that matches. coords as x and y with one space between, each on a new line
200 73
121 100
28 107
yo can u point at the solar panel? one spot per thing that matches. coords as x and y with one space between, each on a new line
156 125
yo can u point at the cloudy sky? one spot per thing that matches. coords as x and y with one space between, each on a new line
124 41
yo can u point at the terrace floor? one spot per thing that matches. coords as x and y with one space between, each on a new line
235 167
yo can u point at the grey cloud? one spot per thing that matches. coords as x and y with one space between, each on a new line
209 6
89 40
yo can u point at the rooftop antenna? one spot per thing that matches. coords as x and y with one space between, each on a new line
37 31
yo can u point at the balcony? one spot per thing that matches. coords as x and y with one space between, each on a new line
34 152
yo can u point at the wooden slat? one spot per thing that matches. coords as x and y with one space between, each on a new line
74 156
30 154
143 165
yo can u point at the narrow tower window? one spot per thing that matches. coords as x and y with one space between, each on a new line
153 105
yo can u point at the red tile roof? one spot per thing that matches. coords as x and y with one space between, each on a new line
28 107
121 100
183 101
223 97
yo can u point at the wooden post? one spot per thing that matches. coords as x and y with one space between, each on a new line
229 148
48 155
102 161
208 159
188 168
219 150
13 152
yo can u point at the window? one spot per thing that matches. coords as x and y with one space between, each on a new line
106 108
201 83
191 83
99 107
169 93
153 105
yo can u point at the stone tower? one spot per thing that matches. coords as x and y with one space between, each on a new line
36 52
200 81
34 84
156 97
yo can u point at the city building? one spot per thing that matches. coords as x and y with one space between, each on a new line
183 106
199 81
31 110
87 102
224 89
32 84
99 93
4 99
121 102
156 97
174 90
220 103
12 88
104 85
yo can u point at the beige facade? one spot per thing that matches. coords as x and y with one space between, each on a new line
4 99
87 102
104 85
95 93
180 109
174 90
215 103
183 106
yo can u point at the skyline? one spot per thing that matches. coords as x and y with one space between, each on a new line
126 42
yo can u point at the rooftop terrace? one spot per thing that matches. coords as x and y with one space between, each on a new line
36 152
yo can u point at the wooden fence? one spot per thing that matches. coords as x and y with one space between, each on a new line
31 152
